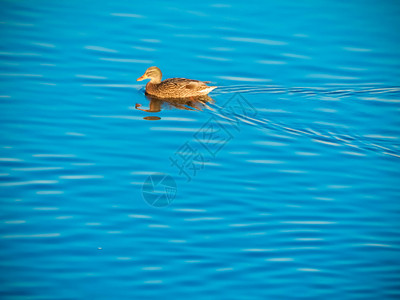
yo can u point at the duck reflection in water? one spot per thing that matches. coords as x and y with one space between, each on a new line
192 103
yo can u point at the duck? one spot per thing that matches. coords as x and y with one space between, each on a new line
173 87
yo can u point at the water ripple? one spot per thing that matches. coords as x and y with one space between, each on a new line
256 41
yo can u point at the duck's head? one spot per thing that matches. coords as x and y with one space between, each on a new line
152 73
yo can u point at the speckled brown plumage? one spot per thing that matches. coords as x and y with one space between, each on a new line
173 87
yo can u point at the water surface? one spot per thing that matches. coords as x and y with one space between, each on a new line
289 185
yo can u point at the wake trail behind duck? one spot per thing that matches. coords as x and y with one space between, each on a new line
327 137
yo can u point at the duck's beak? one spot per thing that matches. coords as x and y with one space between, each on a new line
143 77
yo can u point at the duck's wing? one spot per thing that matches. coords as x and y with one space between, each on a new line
195 85
183 83
182 87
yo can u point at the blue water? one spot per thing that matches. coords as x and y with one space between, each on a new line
287 181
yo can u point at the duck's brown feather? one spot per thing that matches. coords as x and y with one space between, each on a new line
178 88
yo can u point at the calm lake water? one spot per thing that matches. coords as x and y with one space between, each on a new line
284 185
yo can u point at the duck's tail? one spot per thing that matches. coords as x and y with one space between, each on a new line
208 89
